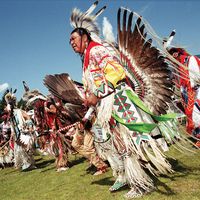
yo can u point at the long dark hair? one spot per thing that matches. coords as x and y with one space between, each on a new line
81 32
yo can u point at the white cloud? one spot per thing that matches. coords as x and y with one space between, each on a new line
145 8
3 87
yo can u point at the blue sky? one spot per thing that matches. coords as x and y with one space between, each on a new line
34 34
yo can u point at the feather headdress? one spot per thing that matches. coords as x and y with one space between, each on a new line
30 96
10 97
87 20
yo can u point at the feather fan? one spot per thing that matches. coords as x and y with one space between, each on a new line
62 86
70 92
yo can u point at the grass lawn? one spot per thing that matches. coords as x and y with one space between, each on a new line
45 183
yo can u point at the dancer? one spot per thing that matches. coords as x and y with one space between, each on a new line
119 111
48 121
22 132
6 142
82 138
187 80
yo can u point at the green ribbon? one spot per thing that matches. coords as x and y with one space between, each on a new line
137 101
140 127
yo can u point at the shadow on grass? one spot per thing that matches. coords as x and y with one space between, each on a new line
162 188
38 159
177 165
183 169
180 171
104 181
108 181
44 163
76 161
11 172
48 169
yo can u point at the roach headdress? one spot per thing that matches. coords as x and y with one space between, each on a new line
87 20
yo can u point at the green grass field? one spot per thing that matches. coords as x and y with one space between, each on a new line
44 183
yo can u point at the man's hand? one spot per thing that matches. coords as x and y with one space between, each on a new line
81 127
91 100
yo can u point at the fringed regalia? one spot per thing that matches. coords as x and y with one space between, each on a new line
124 116
6 155
134 87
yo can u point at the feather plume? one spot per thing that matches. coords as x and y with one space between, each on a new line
167 42
99 12
91 8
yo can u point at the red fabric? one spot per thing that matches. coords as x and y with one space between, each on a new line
198 60
87 54
51 120
12 143
184 81
39 115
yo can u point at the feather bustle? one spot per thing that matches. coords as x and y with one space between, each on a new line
144 62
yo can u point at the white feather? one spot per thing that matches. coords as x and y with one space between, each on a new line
99 12
169 40
25 139
91 9
108 31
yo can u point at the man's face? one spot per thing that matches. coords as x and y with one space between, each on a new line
78 42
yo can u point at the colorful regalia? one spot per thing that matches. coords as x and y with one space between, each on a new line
190 91
134 87
132 81
48 122
187 80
